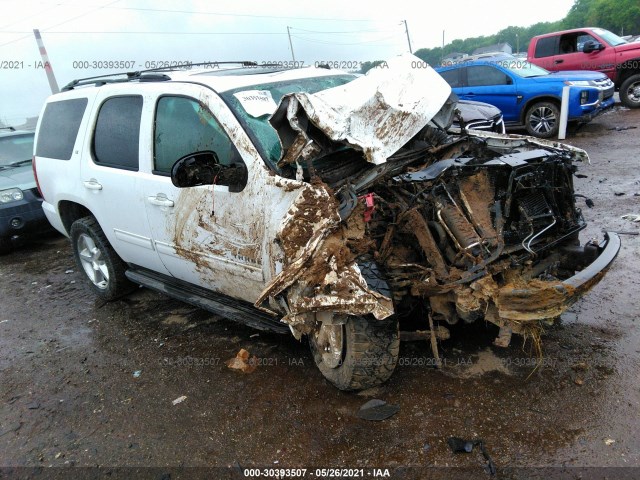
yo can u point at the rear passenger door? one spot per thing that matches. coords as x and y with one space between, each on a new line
110 177
210 235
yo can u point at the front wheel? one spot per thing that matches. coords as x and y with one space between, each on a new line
99 261
355 353
543 120
630 91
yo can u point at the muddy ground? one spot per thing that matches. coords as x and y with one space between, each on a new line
83 383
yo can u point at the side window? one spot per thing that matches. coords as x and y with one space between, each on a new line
582 39
546 47
485 75
59 128
183 126
568 43
117 134
452 77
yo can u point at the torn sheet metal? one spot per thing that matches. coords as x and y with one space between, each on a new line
320 272
376 114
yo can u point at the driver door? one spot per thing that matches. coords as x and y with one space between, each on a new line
209 235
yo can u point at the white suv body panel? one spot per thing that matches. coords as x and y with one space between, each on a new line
230 252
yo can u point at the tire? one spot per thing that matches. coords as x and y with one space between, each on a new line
5 245
630 91
98 260
368 356
542 120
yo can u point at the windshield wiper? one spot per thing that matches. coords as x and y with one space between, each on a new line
15 164
18 163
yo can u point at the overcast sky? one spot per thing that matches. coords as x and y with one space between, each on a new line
143 31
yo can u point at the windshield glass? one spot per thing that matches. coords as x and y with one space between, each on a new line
252 106
16 148
611 38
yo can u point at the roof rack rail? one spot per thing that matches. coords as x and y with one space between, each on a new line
11 129
146 75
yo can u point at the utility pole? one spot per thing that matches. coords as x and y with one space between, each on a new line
406 29
291 45
47 66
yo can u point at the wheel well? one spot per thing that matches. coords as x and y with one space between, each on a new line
537 100
627 69
70 212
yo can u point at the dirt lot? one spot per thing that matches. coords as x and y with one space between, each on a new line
83 383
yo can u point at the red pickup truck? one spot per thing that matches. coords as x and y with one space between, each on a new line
592 49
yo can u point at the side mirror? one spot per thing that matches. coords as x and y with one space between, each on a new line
591 46
200 168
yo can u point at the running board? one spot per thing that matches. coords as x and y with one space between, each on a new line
236 310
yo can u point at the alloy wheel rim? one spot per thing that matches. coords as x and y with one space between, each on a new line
633 92
543 120
92 261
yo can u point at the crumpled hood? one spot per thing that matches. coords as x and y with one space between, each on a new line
18 177
377 113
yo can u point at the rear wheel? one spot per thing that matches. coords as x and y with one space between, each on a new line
99 261
355 353
543 120
630 91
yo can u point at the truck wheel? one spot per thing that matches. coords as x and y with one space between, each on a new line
99 261
5 245
355 353
543 120
630 91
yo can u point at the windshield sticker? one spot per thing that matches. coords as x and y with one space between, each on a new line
257 102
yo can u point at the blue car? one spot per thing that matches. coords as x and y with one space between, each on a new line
529 95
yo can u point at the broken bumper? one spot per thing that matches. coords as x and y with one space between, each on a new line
544 300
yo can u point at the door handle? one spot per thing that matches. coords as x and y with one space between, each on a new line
92 184
160 200
560 60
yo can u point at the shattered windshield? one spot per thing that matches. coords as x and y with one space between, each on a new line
254 104
16 148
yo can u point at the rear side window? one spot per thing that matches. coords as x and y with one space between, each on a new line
59 128
117 134
452 77
546 47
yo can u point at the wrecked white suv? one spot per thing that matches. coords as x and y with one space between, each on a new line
314 201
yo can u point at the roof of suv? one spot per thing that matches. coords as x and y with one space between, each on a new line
219 78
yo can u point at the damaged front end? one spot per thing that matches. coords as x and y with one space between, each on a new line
400 218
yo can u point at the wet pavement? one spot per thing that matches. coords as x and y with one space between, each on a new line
84 383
